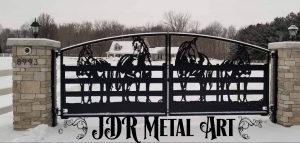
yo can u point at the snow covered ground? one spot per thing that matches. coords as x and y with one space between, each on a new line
5 63
6 82
6 100
268 133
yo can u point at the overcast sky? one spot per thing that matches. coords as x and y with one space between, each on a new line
14 13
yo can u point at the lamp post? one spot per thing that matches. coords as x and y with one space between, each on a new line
35 28
293 29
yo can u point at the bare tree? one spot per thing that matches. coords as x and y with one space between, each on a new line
214 48
231 32
48 27
1 38
6 33
108 28
177 22
214 29
194 26
25 30
85 31
68 34
1 28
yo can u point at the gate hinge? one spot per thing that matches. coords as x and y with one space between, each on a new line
272 108
56 111
57 54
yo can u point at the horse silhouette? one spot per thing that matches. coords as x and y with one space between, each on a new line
240 59
132 66
187 58
99 68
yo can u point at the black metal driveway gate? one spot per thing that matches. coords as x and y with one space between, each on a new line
185 83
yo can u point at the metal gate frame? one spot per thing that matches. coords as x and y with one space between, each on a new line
167 67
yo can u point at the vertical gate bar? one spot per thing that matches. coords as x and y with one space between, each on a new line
218 84
168 72
166 49
53 88
266 85
169 52
171 68
62 85
165 82
273 86
165 76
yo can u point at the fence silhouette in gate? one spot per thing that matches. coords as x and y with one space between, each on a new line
185 83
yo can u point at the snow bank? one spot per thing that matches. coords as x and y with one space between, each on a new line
33 135
268 133
5 63
6 82
5 100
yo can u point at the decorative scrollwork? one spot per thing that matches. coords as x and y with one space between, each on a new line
80 123
245 123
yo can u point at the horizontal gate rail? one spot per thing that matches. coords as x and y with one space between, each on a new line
172 67
221 67
159 80
214 80
68 115
215 92
159 93
111 68
114 93
220 113
113 80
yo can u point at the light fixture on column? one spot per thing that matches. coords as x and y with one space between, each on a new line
293 29
35 26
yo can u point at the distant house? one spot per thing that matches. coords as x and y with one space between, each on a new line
119 48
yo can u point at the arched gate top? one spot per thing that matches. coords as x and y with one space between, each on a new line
165 34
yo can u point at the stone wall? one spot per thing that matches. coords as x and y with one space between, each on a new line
32 92
288 92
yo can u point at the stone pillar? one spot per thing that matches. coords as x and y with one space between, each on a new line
288 91
33 87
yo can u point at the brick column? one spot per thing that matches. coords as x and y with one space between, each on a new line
288 91
32 85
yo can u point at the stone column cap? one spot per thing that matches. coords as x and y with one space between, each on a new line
33 42
284 45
